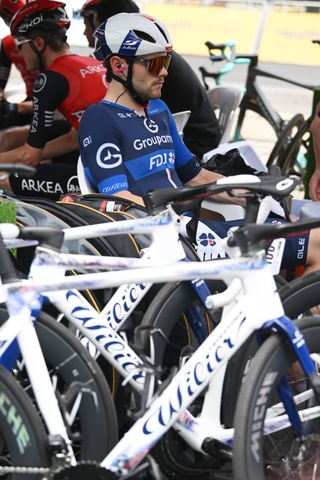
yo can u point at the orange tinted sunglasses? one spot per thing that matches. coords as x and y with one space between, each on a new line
155 65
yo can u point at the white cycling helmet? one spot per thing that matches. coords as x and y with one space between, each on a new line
131 35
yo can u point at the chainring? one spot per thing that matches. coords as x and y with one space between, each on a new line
84 471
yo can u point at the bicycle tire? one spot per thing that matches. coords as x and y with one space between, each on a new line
255 455
25 445
94 429
284 138
288 158
298 298
167 313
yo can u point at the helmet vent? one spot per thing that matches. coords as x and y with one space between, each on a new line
144 36
162 31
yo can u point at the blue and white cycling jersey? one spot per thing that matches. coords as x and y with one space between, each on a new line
122 150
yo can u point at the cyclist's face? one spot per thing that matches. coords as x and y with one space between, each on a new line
88 31
147 84
28 54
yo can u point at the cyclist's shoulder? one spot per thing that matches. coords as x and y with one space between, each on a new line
97 113
157 106
49 81
76 63
8 43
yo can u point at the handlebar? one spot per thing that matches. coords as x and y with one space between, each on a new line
226 53
279 188
18 168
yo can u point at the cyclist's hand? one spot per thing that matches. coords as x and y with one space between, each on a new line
314 186
8 110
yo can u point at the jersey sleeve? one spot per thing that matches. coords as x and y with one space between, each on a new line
5 66
49 90
186 164
100 149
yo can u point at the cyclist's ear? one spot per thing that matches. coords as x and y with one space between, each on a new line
120 68
117 64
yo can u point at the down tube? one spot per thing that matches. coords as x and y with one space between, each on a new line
183 389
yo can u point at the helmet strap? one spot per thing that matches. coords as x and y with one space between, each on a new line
127 83
39 55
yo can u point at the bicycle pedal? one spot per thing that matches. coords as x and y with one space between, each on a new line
57 445
213 447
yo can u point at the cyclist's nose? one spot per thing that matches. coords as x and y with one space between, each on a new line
163 72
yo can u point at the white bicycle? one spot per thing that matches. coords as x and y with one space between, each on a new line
205 367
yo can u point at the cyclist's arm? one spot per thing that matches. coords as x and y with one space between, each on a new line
189 170
5 68
50 89
205 176
130 196
62 145
314 185
25 108
25 154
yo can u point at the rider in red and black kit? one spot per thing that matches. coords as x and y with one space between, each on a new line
66 82
12 113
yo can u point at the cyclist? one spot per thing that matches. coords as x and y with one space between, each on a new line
11 113
129 143
182 89
66 82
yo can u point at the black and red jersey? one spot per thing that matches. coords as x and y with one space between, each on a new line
70 85
9 55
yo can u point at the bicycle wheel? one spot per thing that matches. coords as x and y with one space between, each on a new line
171 312
277 455
299 298
287 161
284 139
82 390
23 440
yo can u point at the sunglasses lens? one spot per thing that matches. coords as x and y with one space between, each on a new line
156 64
20 43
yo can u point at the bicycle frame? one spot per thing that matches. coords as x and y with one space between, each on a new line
245 314
255 100
251 272
99 329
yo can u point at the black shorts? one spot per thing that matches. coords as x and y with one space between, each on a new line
295 251
50 181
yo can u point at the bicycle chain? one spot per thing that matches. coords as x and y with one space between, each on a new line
72 472
24 470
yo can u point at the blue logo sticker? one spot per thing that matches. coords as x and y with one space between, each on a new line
130 44
206 239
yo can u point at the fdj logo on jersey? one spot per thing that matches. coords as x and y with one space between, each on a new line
109 156
162 159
